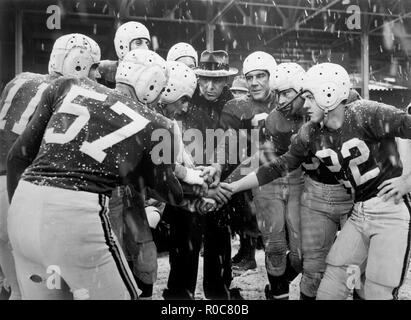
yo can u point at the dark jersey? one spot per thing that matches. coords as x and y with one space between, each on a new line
94 139
242 115
361 154
18 102
316 169
107 70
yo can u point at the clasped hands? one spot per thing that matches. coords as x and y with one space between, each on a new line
212 188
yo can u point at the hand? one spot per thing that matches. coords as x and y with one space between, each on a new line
206 205
193 176
211 174
395 187
200 191
220 194
229 187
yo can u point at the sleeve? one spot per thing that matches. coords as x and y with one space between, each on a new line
291 160
388 121
231 125
26 147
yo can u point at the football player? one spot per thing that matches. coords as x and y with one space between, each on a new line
357 143
185 53
82 141
278 203
239 87
324 201
72 55
138 237
129 36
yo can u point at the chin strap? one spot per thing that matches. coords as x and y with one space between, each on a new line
286 109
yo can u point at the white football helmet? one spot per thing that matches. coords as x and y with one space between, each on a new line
182 81
259 60
288 75
329 83
126 33
182 49
145 71
73 55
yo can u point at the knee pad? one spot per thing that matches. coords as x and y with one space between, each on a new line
275 264
309 283
314 265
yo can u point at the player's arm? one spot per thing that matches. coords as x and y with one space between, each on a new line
392 122
387 121
230 124
276 168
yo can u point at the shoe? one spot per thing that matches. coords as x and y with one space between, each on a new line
304 297
235 294
244 265
238 257
269 295
4 294
356 295
174 295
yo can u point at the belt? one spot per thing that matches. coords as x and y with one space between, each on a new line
3 172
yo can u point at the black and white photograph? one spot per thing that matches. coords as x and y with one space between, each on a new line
223 151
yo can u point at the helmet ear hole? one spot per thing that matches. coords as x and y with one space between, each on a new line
73 55
182 81
126 33
329 83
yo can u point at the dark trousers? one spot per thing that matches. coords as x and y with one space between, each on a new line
187 230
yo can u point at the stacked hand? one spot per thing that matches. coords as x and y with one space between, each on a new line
222 193
211 174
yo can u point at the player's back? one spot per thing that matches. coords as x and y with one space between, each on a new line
95 137
18 102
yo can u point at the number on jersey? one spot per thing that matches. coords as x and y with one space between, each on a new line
94 149
19 126
330 159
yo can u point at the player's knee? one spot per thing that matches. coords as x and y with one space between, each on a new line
309 283
377 291
333 285
275 263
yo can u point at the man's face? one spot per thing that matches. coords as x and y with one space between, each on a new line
176 109
139 43
93 73
315 113
258 82
211 87
188 61
296 107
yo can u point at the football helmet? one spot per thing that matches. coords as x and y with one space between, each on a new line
145 71
73 55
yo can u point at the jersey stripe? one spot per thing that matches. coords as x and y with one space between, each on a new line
407 251
115 251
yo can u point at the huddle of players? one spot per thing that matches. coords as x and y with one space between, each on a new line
75 110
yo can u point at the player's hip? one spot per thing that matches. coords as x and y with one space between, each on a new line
43 220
